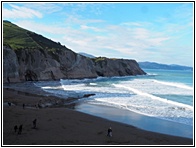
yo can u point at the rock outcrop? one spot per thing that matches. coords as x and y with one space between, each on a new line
116 67
38 64
10 65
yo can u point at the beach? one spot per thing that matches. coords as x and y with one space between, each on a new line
61 125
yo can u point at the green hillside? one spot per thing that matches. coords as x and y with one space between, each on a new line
19 38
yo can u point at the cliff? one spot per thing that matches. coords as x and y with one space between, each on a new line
28 56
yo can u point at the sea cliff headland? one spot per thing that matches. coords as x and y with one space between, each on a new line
28 56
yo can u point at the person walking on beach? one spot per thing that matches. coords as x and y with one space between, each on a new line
23 106
20 129
109 132
15 128
34 123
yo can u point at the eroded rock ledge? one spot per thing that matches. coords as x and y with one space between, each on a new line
40 64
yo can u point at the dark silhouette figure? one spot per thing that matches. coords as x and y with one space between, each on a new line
23 106
34 123
20 129
109 132
39 106
9 103
15 128
8 79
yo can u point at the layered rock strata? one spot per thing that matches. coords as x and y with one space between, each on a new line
41 64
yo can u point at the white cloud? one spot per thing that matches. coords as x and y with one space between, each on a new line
45 7
78 20
20 12
111 40
116 41
96 29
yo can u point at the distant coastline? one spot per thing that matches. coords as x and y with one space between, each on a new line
154 65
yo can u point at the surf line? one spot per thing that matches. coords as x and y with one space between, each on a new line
174 84
153 97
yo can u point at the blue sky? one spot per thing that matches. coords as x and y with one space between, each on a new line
158 32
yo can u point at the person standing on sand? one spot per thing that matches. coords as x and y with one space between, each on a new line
23 106
110 132
15 128
34 123
20 129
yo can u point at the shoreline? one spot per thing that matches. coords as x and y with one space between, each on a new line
60 125
140 121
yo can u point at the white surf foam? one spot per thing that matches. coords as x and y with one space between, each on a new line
152 87
138 92
140 95
179 85
146 106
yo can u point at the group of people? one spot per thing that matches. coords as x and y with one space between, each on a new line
19 129
35 124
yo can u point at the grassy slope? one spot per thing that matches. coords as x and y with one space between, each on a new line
19 38
16 37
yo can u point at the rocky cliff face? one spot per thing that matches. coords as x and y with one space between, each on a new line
28 56
39 64
10 65
116 67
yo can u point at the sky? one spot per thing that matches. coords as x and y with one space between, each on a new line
159 32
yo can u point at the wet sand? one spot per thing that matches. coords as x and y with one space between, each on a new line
138 120
60 125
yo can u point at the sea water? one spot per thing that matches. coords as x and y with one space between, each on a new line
163 94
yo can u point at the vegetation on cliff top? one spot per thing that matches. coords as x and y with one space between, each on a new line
19 38
99 59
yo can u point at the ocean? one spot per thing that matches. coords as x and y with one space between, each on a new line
161 94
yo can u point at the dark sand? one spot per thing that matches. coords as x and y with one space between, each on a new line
63 126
